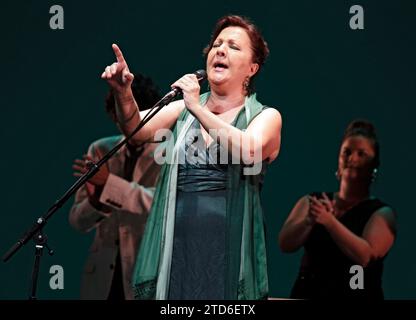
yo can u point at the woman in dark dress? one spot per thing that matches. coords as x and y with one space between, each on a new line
204 237
347 234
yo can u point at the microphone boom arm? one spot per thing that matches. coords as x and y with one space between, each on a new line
93 169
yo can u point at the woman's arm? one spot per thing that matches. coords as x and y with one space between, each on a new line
260 141
376 241
377 238
128 112
297 227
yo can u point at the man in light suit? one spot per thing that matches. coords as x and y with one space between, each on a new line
115 202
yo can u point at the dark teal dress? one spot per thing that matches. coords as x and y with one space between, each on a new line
198 259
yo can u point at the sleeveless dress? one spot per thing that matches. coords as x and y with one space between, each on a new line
325 269
198 260
205 235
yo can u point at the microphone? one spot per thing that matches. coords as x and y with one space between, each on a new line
201 75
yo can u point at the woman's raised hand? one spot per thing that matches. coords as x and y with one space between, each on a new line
118 74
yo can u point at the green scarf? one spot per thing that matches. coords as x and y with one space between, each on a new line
246 264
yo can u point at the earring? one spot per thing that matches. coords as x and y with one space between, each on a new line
337 175
246 84
374 175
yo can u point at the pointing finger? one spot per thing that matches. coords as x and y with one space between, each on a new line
118 53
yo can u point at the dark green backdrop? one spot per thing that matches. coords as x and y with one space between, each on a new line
320 75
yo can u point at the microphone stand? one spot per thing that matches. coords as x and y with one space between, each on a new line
35 231
40 241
